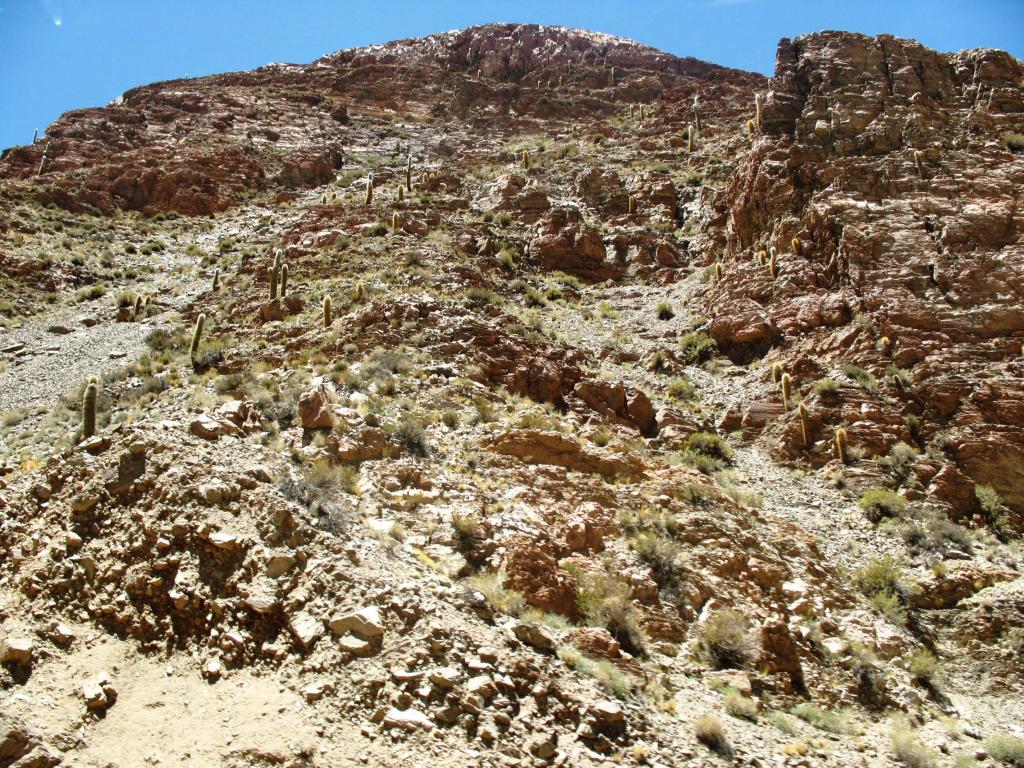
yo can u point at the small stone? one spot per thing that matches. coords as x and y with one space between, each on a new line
365 622
99 693
16 650
444 677
406 719
315 691
355 646
213 670
225 540
534 636
307 629
406 675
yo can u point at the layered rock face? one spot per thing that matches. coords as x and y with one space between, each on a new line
881 179
198 145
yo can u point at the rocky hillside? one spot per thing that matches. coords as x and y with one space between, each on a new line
519 396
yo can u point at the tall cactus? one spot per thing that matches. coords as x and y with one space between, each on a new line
797 247
526 159
632 204
918 161
777 372
839 446
757 110
394 220
275 273
408 175
137 312
787 391
719 274
689 138
401 193
696 111
284 280
328 315
89 410
43 164
216 279
805 424
369 189
197 339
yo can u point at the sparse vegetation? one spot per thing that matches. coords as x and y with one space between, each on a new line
881 503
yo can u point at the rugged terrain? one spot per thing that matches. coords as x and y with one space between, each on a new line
662 413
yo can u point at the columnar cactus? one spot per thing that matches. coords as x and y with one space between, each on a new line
284 280
840 446
275 273
718 272
401 193
35 135
919 162
359 292
777 372
750 127
757 110
632 204
408 174
526 158
805 424
611 76
773 266
689 138
197 339
328 318
696 111
137 310
885 344
43 164
369 189
89 410
216 279
394 220
787 391
762 256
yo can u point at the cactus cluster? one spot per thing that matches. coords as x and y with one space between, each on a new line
137 313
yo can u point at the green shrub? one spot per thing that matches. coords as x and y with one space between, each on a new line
697 347
881 503
726 640
664 311
738 705
1006 749
604 599
862 377
1014 141
658 552
833 721
909 751
711 733
710 444
681 389
880 581
991 505
412 437
825 387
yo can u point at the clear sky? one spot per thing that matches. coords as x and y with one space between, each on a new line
57 55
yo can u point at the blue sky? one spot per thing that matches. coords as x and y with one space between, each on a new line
57 55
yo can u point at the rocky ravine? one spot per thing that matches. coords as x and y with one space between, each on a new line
531 493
